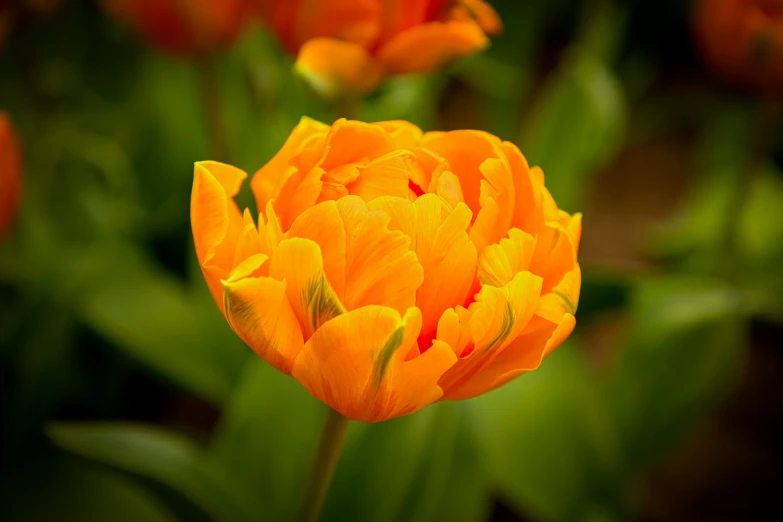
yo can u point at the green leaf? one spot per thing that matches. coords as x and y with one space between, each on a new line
700 238
267 437
382 463
576 126
682 354
451 483
549 443
161 457
156 321
57 487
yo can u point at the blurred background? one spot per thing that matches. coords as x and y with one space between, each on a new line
125 396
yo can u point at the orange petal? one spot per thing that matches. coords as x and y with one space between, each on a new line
354 21
399 15
405 134
355 363
485 174
268 181
299 263
480 12
216 221
335 68
386 176
380 266
323 225
497 317
258 310
439 239
498 263
528 212
563 299
554 255
249 241
522 355
485 227
429 46
574 226
449 188
10 170
355 142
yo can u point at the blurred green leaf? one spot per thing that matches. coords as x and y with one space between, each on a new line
58 488
161 457
152 317
549 442
576 126
382 464
267 437
453 484
683 352
702 239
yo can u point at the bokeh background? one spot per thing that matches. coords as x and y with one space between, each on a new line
125 396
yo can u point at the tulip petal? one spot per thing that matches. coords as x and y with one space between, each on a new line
428 46
334 68
485 177
405 134
439 239
399 15
563 299
323 225
216 221
299 263
386 176
497 317
258 310
355 142
498 263
347 20
479 11
554 255
268 180
382 268
522 355
355 363
249 241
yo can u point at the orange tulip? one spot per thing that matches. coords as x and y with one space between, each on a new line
390 268
352 44
10 174
183 27
742 40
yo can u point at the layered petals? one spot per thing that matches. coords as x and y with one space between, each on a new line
357 364
391 268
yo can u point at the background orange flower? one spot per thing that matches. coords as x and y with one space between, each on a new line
10 174
391 268
183 27
353 44
742 40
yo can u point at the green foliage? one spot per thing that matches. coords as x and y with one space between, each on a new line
683 352
266 442
69 491
163 457
557 455
151 316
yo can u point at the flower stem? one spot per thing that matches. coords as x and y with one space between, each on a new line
326 457
213 108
